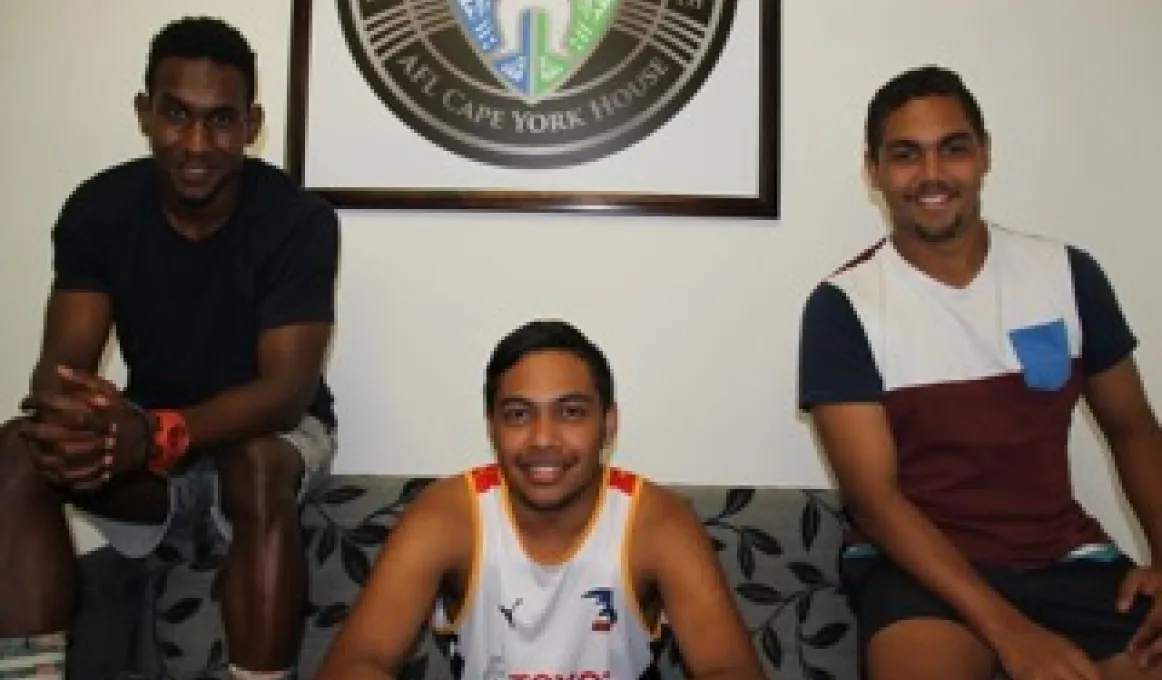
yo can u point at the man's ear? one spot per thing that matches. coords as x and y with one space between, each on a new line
871 167
490 429
987 149
610 425
142 108
254 118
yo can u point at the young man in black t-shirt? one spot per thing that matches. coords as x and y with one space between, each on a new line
218 274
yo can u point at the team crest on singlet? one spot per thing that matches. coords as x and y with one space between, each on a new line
535 83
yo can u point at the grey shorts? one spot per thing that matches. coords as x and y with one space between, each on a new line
197 488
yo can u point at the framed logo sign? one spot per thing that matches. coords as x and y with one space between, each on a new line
646 106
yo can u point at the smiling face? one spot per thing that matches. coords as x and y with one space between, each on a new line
548 427
199 121
930 166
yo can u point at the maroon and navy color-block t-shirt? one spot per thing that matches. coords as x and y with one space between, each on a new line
980 384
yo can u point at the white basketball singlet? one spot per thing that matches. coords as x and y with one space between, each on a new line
523 620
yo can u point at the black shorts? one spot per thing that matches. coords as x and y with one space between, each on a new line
1075 599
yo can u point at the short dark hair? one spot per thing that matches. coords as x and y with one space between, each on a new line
917 83
202 38
546 335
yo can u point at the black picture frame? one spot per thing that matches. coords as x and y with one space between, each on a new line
763 205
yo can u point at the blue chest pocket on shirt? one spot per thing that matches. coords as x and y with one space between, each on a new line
1043 351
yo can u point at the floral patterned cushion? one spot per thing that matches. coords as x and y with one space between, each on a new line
779 547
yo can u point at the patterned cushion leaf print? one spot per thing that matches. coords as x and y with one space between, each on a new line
780 549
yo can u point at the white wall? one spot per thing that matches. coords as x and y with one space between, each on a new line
700 317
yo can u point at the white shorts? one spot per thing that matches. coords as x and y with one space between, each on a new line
197 487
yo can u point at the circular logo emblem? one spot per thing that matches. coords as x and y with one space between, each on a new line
535 83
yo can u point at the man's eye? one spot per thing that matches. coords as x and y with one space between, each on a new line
956 149
900 155
514 416
573 412
176 115
222 121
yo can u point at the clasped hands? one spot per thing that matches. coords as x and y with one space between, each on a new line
83 431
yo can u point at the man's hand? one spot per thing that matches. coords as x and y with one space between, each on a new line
86 432
1031 652
130 430
1145 647
69 436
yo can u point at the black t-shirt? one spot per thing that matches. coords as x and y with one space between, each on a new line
188 314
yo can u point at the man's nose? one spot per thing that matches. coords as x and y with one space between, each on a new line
196 137
544 430
931 164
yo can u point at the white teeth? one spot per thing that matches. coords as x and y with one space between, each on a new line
544 473
933 201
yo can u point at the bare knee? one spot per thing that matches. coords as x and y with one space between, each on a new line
259 481
929 648
18 476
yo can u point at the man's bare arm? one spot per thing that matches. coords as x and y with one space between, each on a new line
290 362
432 540
1123 414
671 549
76 330
66 432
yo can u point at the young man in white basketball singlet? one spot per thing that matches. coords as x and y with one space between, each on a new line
547 562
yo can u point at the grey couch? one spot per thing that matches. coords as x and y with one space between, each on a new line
779 547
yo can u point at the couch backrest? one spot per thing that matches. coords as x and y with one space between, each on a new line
778 546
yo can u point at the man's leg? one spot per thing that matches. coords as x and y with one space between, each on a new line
928 648
1076 599
265 579
908 632
39 586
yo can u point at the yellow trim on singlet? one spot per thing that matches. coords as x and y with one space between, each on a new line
635 605
578 542
474 569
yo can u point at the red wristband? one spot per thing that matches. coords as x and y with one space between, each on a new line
171 441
